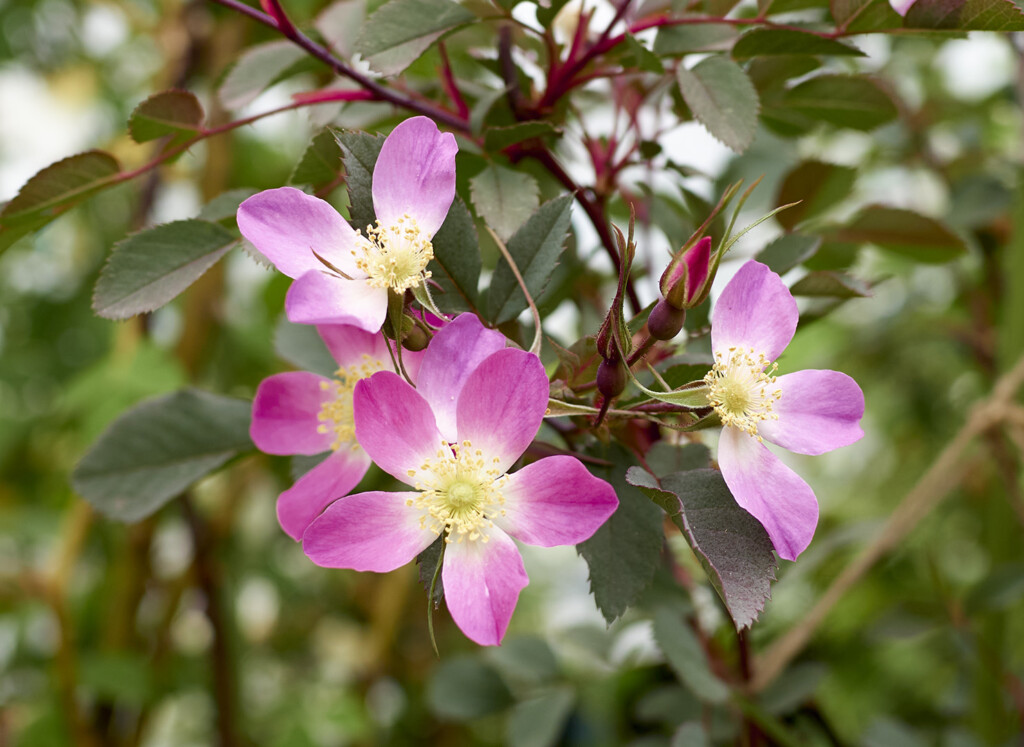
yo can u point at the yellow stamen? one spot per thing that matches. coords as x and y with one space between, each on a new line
394 256
740 389
336 414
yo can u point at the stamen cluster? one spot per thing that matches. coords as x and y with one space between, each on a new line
460 493
394 256
739 386
337 414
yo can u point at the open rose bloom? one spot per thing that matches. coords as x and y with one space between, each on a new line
476 408
342 276
304 413
808 412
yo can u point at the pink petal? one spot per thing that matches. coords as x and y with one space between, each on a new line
415 175
287 226
818 411
555 501
367 532
502 405
284 414
394 424
348 344
769 490
318 488
451 357
482 581
698 260
319 298
755 310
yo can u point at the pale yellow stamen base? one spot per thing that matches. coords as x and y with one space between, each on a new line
394 256
741 389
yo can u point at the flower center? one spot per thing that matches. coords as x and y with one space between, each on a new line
336 414
394 256
740 389
459 493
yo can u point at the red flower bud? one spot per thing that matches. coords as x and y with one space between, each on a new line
686 280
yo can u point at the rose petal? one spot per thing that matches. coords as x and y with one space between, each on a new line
818 411
318 488
286 225
769 490
284 414
374 531
394 424
451 357
555 501
756 310
319 298
415 175
502 405
482 581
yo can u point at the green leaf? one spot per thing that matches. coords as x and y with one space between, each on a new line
723 99
465 688
166 113
760 42
639 56
524 660
686 657
401 30
664 458
964 15
257 68
865 15
148 269
903 232
339 24
691 734
828 284
535 248
540 721
771 73
815 186
302 346
456 263
55 189
156 450
499 138
359 154
623 554
786 252
224 206
320 164
731 545
850 101
684 39
504 198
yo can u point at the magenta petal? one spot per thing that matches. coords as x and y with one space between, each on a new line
452 356
769 490
394 424
756 310
319 298
818 411
502 405
555 501
284 414
415 175
698 260
318 488
286 225
367 532
482 581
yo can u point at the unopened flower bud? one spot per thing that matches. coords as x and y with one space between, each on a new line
415 339
686 280
611 378
665 320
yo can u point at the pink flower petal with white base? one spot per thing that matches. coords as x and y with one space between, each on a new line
818 411
286 225
769 490
452 356
502 404
319 298
415 175
350 346
482 581
367 532
756 310
318 488
284 414
394 424
555 501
